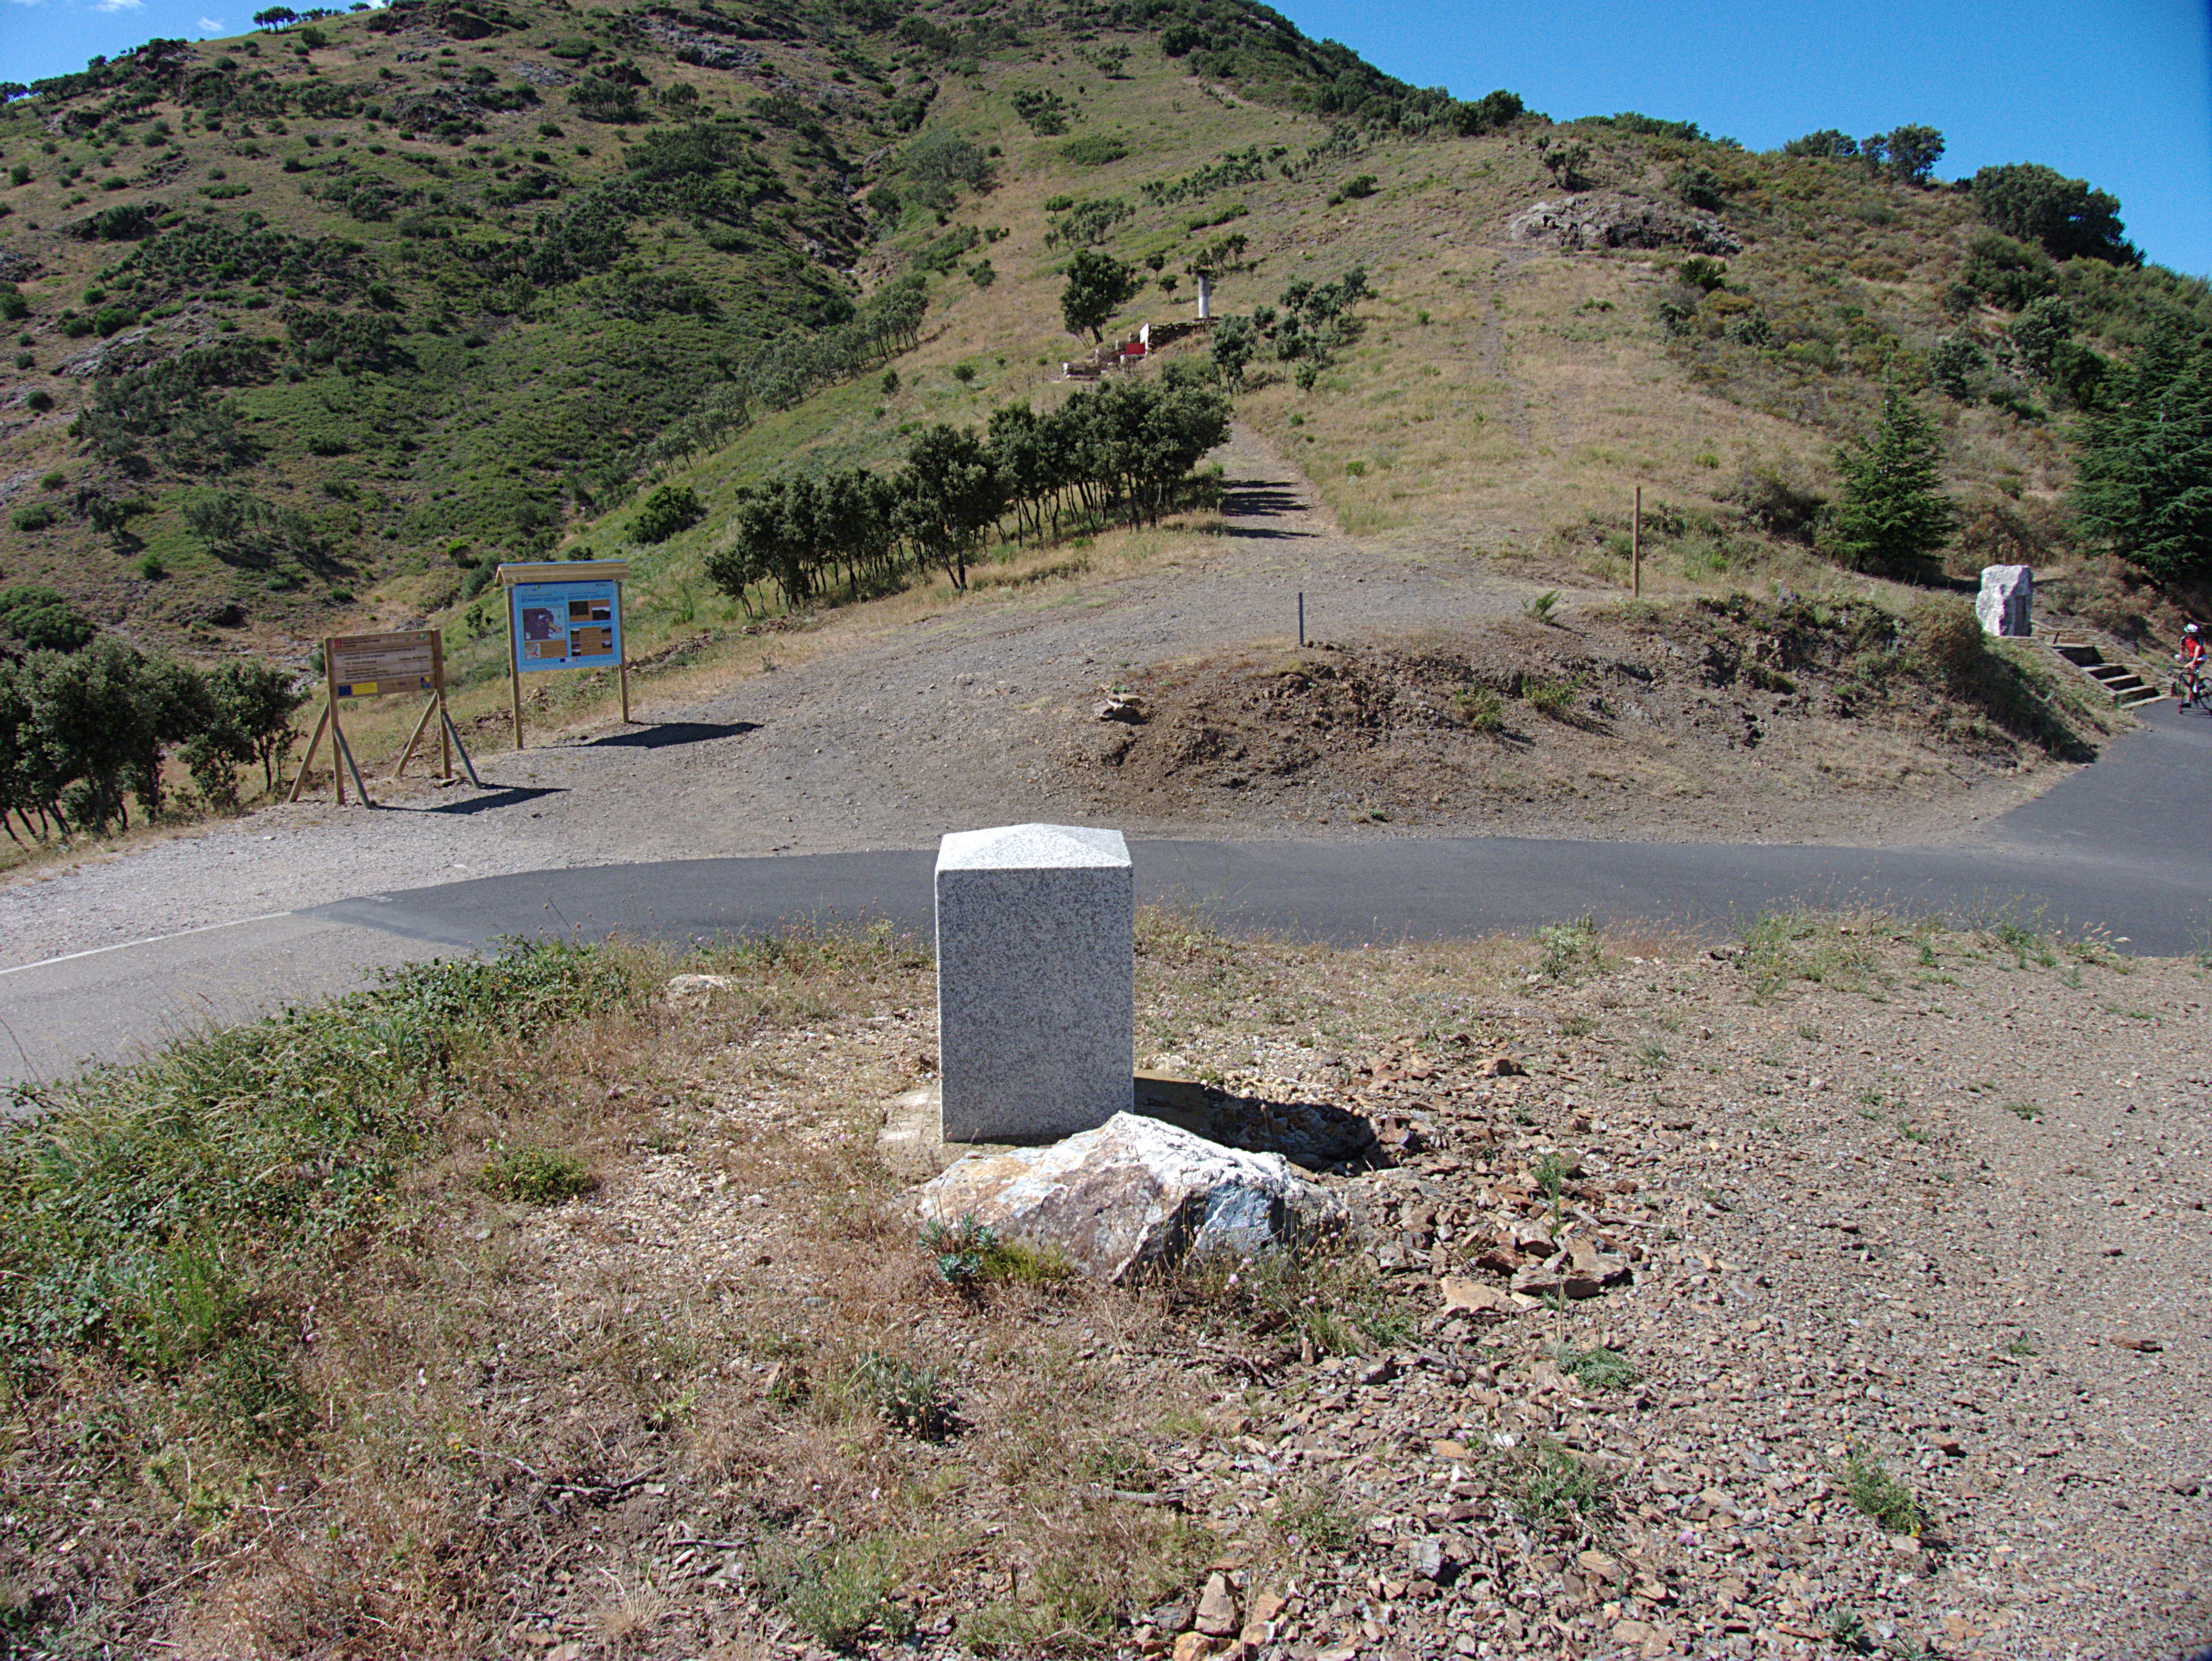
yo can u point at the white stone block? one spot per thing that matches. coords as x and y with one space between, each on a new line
1036 981
2007 602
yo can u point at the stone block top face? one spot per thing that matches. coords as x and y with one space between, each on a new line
2006 576
1031 847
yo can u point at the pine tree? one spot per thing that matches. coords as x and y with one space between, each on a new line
1893 516
2144 489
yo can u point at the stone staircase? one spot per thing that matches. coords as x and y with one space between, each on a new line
2131 680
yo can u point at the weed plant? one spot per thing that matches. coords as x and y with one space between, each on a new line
969 1255
1868 1485
914 1399
836 1591
1549 1486
1570 949
1480 708
1554 697
1598 1369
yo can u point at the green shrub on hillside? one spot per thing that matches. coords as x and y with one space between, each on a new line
2001 272
1085 224
1046 112
1094 150
40 619
671 509
2041 205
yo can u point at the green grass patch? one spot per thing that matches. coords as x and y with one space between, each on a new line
1320 1293
1779 948
1094 150
178 1218
1548 1485
543 1176
1318 1519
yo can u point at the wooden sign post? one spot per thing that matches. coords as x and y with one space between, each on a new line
1636 548
375 666
564 615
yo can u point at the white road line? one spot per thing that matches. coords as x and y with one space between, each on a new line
126 945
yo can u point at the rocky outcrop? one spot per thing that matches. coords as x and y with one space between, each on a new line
1599 222
1133 1196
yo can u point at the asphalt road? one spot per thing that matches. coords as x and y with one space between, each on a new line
2120 846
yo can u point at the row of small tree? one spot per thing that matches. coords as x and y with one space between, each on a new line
1316 318
1123 450
82 730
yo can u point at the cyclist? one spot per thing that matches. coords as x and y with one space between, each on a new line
2191 659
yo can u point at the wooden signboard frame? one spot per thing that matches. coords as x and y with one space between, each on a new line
375 666
593 572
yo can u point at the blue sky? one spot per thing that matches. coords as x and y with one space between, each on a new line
2117 92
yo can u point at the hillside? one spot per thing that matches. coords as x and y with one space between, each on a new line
316 325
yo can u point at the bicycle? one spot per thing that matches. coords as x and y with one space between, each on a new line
2189 683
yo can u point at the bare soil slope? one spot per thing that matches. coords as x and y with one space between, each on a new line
1721 719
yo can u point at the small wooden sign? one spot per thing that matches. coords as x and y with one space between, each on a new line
369 665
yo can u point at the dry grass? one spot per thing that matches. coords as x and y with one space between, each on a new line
684 1414
504 1408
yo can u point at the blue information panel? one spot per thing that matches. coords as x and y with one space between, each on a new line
573 624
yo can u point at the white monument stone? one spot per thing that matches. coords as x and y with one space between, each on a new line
1036 976
2007 602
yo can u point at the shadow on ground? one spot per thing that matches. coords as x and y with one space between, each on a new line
1259 498
511 796
1312 1134
666 734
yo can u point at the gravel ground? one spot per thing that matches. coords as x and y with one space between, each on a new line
1933 1203
884 737
1855 1216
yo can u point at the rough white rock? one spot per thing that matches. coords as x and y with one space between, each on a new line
2007 602
1134 1195
696 991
